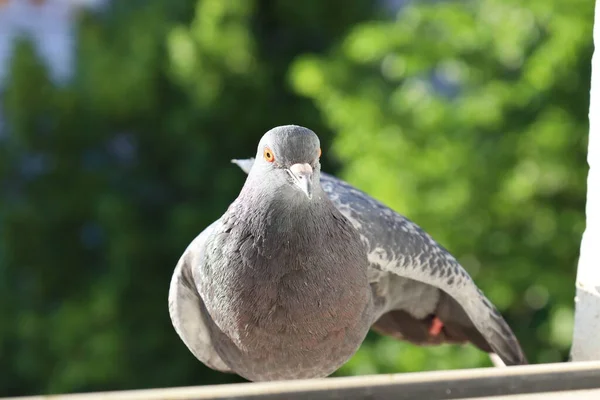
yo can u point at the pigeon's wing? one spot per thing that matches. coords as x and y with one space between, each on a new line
187 310
414 279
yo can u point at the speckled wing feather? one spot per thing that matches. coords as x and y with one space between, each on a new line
398 246
413 276
186 307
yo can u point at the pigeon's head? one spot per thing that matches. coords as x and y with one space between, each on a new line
288 157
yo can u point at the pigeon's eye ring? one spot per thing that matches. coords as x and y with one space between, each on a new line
268 155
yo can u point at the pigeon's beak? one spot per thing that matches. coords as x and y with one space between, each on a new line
302 175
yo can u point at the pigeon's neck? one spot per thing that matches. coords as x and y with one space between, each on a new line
291 232
287 213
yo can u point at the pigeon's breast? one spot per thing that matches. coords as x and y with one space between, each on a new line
295 307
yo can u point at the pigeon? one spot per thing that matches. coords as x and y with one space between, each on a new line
288 282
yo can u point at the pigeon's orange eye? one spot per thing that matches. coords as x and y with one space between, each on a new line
319 153
268 155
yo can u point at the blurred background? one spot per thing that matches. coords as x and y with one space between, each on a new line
118 121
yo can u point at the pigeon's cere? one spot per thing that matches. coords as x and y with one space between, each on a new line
289 280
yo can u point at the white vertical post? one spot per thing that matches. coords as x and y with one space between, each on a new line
586 334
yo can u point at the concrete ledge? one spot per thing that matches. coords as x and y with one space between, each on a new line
580 380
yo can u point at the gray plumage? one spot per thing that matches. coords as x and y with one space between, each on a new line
289 280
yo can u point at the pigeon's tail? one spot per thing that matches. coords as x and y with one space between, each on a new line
456 327
503 342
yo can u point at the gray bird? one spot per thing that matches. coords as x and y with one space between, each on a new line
287 283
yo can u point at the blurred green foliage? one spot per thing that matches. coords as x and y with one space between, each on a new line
468 117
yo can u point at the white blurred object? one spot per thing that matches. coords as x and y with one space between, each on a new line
50 24
586 334
496 360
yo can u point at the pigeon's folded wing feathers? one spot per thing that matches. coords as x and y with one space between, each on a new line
186 307
398 246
